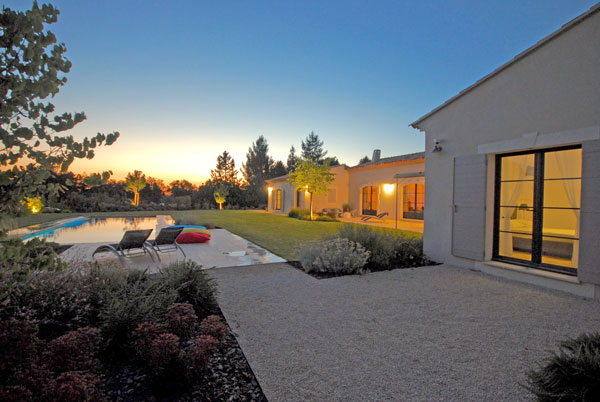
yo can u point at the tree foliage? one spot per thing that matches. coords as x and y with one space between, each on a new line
32 68
181 187
313 148
365 159
97 179
221 194
278 169
312 177
225 171
135 182
292 160
258 163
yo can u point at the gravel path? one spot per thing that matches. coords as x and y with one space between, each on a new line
425 334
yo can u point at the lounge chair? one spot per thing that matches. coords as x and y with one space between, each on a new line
166 241
133 240
380 217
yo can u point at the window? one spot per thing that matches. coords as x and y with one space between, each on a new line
536 214
369 200
278 200
414 201
331 195
299 195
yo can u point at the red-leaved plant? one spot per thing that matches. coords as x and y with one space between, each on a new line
200 352
213 326
182 319
74 351
164 352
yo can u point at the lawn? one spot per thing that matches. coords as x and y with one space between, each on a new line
279 234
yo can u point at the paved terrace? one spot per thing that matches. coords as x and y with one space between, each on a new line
426 334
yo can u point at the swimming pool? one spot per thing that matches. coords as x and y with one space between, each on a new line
96 230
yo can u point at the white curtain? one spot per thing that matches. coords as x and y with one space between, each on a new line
571 191
515 167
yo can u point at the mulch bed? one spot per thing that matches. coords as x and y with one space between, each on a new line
319 275
228 377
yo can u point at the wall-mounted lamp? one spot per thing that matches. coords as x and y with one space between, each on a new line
388 188
436 146
269 190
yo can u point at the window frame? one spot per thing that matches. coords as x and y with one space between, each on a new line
538 211
408 214
278 194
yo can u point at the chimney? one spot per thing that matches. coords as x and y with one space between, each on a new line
376 155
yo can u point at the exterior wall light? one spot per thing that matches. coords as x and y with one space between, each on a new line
388 188
269 190
436 146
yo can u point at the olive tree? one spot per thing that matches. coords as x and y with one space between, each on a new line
312 177
33 146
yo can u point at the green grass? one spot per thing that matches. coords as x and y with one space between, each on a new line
279 234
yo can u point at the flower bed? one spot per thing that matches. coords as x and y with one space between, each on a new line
95 333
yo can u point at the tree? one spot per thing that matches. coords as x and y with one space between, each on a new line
364 160
313 148
32 68
258 163
277 170
224 171
97 179
292 160
135 182
256 169
181 187
331 161
313 178
220 195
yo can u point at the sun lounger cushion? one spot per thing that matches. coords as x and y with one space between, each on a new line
193 237
187 230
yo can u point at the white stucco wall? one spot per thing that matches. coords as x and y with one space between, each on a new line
556 88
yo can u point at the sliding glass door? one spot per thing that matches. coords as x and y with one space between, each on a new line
537 202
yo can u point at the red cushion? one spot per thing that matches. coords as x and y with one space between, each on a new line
193 237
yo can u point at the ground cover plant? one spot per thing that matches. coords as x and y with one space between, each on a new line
334 257
356 249
96 333
571 374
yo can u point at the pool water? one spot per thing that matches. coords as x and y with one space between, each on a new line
96 230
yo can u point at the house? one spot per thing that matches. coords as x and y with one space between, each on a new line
394 185
513 166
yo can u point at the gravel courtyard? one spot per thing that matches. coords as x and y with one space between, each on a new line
426 334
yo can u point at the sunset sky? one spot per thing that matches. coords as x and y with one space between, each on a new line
184 80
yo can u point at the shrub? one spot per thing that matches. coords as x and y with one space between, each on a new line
182 319
346 207
388 250
572 374
75 351
192 285
18 258
164 352
200 352
77 386
213 326
299 213
330 217
15 393
134 298
144 335
18 345
336 256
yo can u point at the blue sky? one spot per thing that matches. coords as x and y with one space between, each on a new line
184 80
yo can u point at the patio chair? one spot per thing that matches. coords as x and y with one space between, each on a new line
133 240
166 241
379 217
